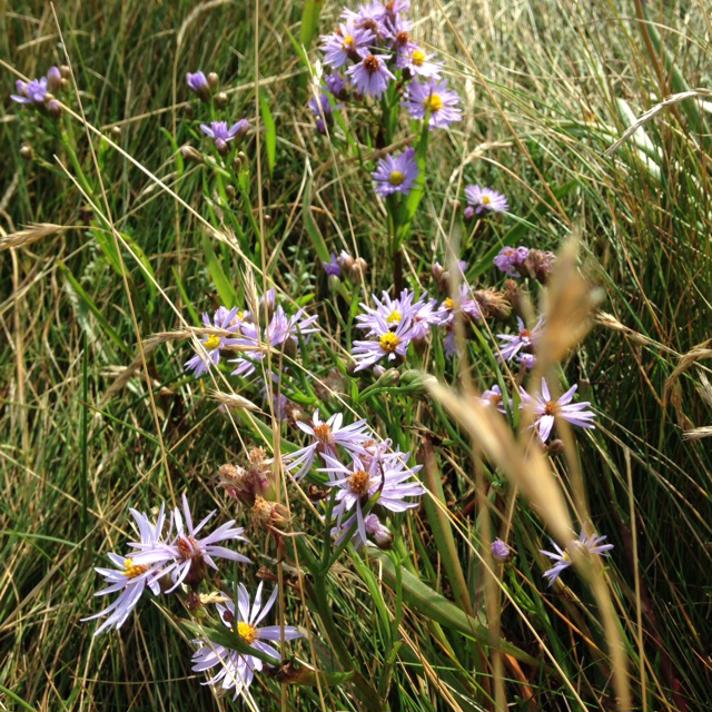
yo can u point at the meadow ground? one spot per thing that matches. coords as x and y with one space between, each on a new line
121 222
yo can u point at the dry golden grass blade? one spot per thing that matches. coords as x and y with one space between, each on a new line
526 468
568 308
233 400
32 233
700 433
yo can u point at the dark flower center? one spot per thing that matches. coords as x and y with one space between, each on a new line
359 482
371 64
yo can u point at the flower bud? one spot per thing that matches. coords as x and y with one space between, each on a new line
54 107
231 192
345 261
54 79
380 534
26 151
359 269
221 100
116 131
469 212
190 153
500 550
213 80
65 71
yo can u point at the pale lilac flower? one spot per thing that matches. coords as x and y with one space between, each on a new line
500 550
510 259
370 76
189 552
464 303
236 669
198 83
223 319
485 200
389 343
416 61
282 333
222 135
590 544
343 45
433 99
133 573
32 92
388 476
332 267
370 16
546 410
512 344
494 398
396 173
325 437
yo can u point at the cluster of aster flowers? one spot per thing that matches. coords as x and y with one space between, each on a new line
222 133
242 332
393 324
40 92
162 562
363 472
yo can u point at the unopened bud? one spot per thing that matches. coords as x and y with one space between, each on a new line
381 535
65 71
54 107
26 151
221 100
116 131
500 550
231 192
190 153
54 79
213 80
359 269
555 447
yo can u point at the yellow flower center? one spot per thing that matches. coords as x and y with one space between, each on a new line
389 342
434 102
394 317
550 408
212 342
396 177
247 632
359 482
485 200
348 41
418 57
449 303
131 570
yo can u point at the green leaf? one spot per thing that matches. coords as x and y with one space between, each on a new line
225 288
310 21
430 603
270 132
228 638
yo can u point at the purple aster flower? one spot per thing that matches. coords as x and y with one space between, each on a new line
209 354
493 397
416 61
132 574
332 267
371 16
236 669
198 83
510 259
396 173
370 76
380 533
32 92
485 200
281 333
222 135
422 314
433 99
464 303
343 45
386 475
389 343
589 544
510 345
500 550
188 553
325 437
546 410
